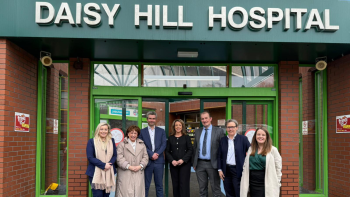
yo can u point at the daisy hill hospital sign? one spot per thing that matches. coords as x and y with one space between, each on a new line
226 20
257 19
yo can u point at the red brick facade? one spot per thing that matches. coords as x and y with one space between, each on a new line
338 144
18 93
79 126
289 126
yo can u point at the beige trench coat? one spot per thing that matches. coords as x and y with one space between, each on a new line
131 184
273 174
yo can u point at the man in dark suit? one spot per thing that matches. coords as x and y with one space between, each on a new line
231 155
155 141
205 148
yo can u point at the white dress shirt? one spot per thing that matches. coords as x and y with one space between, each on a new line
151 135
231 158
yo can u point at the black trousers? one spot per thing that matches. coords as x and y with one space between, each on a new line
257 183
232 183
180 177
98 193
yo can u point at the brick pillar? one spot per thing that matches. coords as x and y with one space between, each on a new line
79 94
289 126
18 93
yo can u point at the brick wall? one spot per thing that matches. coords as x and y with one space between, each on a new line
18 93
79 97
338 144
289 126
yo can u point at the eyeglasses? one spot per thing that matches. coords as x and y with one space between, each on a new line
231 127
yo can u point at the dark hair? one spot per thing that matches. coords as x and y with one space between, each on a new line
183 127
267 145
206 112
133 128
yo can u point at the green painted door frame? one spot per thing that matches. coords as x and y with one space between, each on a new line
270 102
267 96
41 132
321 137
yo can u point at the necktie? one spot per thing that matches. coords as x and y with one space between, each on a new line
204 148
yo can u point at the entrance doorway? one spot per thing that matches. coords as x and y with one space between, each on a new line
122 112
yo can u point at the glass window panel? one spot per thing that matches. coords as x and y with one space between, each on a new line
217 111
320 130
252 76
54 144
250 117
111 111
115 75
177 76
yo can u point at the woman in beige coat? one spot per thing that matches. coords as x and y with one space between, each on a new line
262 169
132 159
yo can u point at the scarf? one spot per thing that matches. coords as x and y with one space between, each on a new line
103 180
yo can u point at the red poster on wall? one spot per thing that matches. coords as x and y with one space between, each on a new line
343 124
21 122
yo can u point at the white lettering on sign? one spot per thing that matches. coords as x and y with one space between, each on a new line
64 14
256 19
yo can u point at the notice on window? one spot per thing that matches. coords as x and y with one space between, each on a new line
305 127
21 122
118 135
343 124
221 122
51 126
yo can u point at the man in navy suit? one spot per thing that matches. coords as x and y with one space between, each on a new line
231 155
155 141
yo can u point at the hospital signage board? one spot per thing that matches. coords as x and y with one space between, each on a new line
185 20
343 124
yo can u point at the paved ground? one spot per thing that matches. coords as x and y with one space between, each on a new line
194 189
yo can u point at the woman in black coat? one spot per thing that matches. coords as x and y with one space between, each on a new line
178 153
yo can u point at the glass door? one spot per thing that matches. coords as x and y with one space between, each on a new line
161 107
217 110
119 113
251 115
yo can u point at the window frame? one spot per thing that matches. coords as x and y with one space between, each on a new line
41 131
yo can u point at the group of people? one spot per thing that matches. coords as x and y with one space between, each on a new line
245 168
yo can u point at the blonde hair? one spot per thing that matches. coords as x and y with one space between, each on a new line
173 132
97 138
